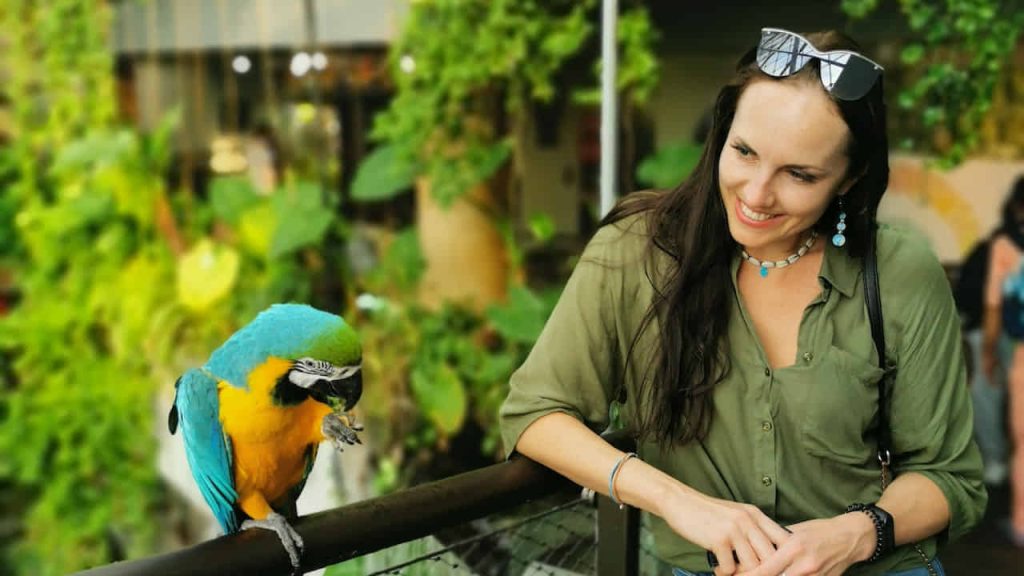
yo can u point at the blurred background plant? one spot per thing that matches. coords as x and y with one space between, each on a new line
121 283
468 75
952 67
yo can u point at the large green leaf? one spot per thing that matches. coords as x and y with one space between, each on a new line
522 318
403 263
206 274
668 167
382 175
231 196
302 219
256 228
440 395
100 148
453 177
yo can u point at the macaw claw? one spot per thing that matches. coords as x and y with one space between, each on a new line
290 539
349 419
341 429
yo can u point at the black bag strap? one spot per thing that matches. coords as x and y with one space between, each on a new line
873 298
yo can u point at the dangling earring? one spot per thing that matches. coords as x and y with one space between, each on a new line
839 240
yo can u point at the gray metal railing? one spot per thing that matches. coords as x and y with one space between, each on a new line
341 534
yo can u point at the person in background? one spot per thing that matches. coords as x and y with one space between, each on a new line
987 383
727 319
1003 357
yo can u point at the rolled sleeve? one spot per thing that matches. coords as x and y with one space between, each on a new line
931 417
573 367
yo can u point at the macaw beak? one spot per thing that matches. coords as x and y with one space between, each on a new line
347 390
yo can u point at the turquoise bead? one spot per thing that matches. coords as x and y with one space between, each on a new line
838 240
764 272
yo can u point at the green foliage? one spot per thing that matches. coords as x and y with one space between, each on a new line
122 284
668 166
959 49
459 65
858 8
464 72
638 69
74 423
80 193
303 220
382 175
436 371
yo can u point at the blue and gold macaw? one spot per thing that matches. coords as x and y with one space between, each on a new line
253 416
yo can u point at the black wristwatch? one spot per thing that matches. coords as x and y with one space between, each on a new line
885 532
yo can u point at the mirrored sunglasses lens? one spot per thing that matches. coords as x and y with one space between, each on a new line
780 54
852 80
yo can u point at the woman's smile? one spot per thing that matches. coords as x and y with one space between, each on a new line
750 217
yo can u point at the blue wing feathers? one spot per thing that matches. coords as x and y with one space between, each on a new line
207 449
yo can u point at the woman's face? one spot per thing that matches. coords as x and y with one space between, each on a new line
783 162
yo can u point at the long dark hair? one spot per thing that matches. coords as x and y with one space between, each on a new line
1013 214
688 225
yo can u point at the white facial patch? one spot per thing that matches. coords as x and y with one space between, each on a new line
307 371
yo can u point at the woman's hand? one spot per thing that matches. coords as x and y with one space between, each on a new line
822 547
724 527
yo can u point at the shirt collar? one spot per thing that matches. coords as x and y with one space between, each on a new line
839 269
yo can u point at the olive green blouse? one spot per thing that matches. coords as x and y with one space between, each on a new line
798 442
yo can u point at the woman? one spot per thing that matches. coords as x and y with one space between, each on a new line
1004 262
727 317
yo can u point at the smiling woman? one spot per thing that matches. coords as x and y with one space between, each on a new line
737 343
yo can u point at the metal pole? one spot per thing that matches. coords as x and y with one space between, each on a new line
618 539
609 105
313 90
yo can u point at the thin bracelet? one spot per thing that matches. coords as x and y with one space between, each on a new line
611 478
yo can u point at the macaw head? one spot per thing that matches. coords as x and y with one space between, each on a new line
315 354
327 383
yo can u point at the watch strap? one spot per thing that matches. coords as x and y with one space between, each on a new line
885 533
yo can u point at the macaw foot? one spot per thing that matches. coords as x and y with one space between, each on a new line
290 539
341 429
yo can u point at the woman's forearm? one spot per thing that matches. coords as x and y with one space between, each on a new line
991 325
568 447
918 507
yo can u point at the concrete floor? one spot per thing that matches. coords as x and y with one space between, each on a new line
986 551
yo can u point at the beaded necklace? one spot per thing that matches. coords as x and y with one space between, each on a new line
764 265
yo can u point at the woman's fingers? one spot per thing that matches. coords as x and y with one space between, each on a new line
726 563
762 545
745 553
776 533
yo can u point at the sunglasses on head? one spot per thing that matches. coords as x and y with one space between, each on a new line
845 74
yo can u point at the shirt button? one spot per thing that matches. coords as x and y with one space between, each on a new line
766 426
767 371
766 480
808 356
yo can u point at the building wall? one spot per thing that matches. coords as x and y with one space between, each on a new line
550 175
182 25
952 209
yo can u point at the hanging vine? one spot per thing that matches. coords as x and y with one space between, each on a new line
956 56
74 420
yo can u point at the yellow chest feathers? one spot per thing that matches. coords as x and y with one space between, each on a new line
269 441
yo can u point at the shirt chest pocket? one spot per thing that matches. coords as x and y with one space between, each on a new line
840 407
